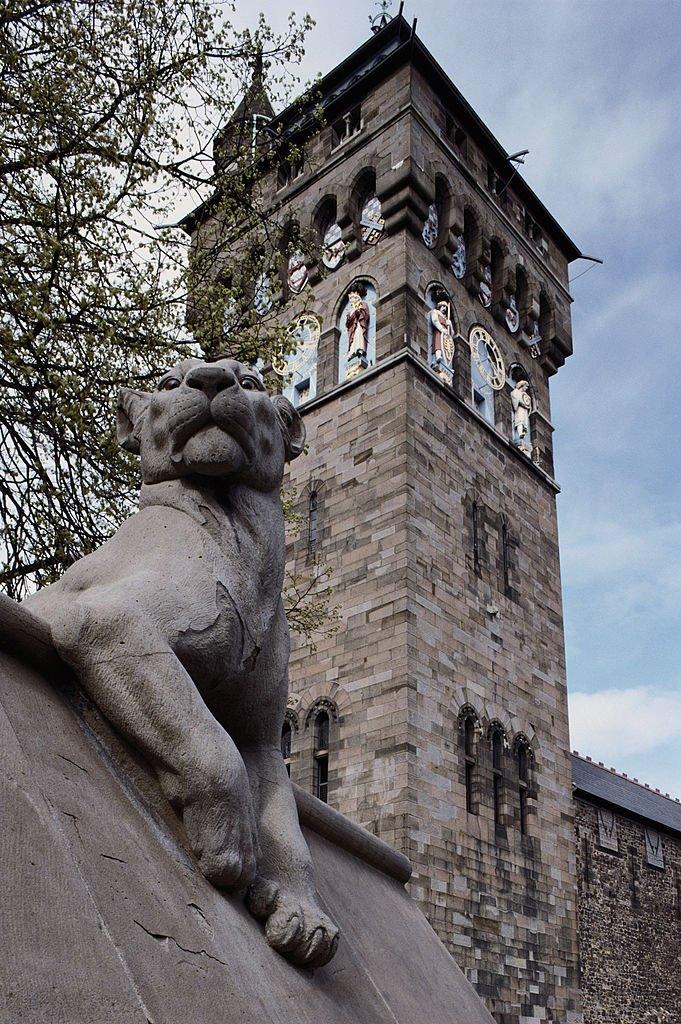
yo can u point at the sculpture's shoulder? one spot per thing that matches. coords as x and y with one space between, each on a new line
145 545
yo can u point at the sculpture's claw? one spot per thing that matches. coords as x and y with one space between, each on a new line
296 927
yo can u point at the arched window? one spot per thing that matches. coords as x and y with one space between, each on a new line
322 729
523 757
469 728
312 522
498 774
329 234
357 330
437 219
286 738
497 267
471 238
368 211
299 367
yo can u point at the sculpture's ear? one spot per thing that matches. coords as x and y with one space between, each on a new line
292 427
132 405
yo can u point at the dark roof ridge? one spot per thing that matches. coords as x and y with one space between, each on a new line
627 778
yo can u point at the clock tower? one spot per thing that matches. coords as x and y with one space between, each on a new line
431 318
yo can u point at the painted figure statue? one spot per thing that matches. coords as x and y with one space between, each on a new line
357 324
522 407
443 332
176 629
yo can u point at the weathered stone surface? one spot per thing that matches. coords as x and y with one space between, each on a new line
106 916
176 629
629 915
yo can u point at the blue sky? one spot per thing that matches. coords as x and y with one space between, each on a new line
593 89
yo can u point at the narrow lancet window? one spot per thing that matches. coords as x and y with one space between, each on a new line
286 737
469 762
312 523
523 785
498 775
321 756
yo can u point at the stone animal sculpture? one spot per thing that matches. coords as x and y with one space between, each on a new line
176 629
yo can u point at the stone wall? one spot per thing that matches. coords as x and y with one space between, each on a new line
397 460
629 918
443 544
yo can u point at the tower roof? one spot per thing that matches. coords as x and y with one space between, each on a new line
393 45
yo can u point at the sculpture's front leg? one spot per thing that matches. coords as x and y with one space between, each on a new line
283 894
132 674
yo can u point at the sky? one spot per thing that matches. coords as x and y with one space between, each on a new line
593 89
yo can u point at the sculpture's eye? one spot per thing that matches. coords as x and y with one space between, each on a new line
249 383
169 384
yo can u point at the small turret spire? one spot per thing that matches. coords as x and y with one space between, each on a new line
240 134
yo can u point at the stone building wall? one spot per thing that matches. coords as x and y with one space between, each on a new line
629 918
443 544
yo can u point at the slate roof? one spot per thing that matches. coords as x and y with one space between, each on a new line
607 786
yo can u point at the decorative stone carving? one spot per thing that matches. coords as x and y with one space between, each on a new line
607 830
442 337
533 343
443 332
333 250
357 322
297 273
512 316
654 849
300 366
521 401
176 629
431 228
485 289
459 259
372 221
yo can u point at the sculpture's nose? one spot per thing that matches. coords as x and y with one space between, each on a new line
210 379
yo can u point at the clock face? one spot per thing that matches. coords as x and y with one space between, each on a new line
488 358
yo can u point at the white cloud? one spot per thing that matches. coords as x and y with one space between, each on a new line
614 724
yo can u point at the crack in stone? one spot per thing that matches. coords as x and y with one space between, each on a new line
75 820
169 938
75 765
109 856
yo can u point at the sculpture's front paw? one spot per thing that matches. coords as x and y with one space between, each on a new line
295 926
223 834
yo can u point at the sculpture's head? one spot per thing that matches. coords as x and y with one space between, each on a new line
211 420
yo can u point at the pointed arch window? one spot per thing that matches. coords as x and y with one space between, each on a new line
498 268
312 522
322 731
498 775
471 237
286 740
523 769
469 726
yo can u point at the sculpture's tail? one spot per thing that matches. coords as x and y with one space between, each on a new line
26 637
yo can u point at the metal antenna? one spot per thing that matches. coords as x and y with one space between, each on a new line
380 20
